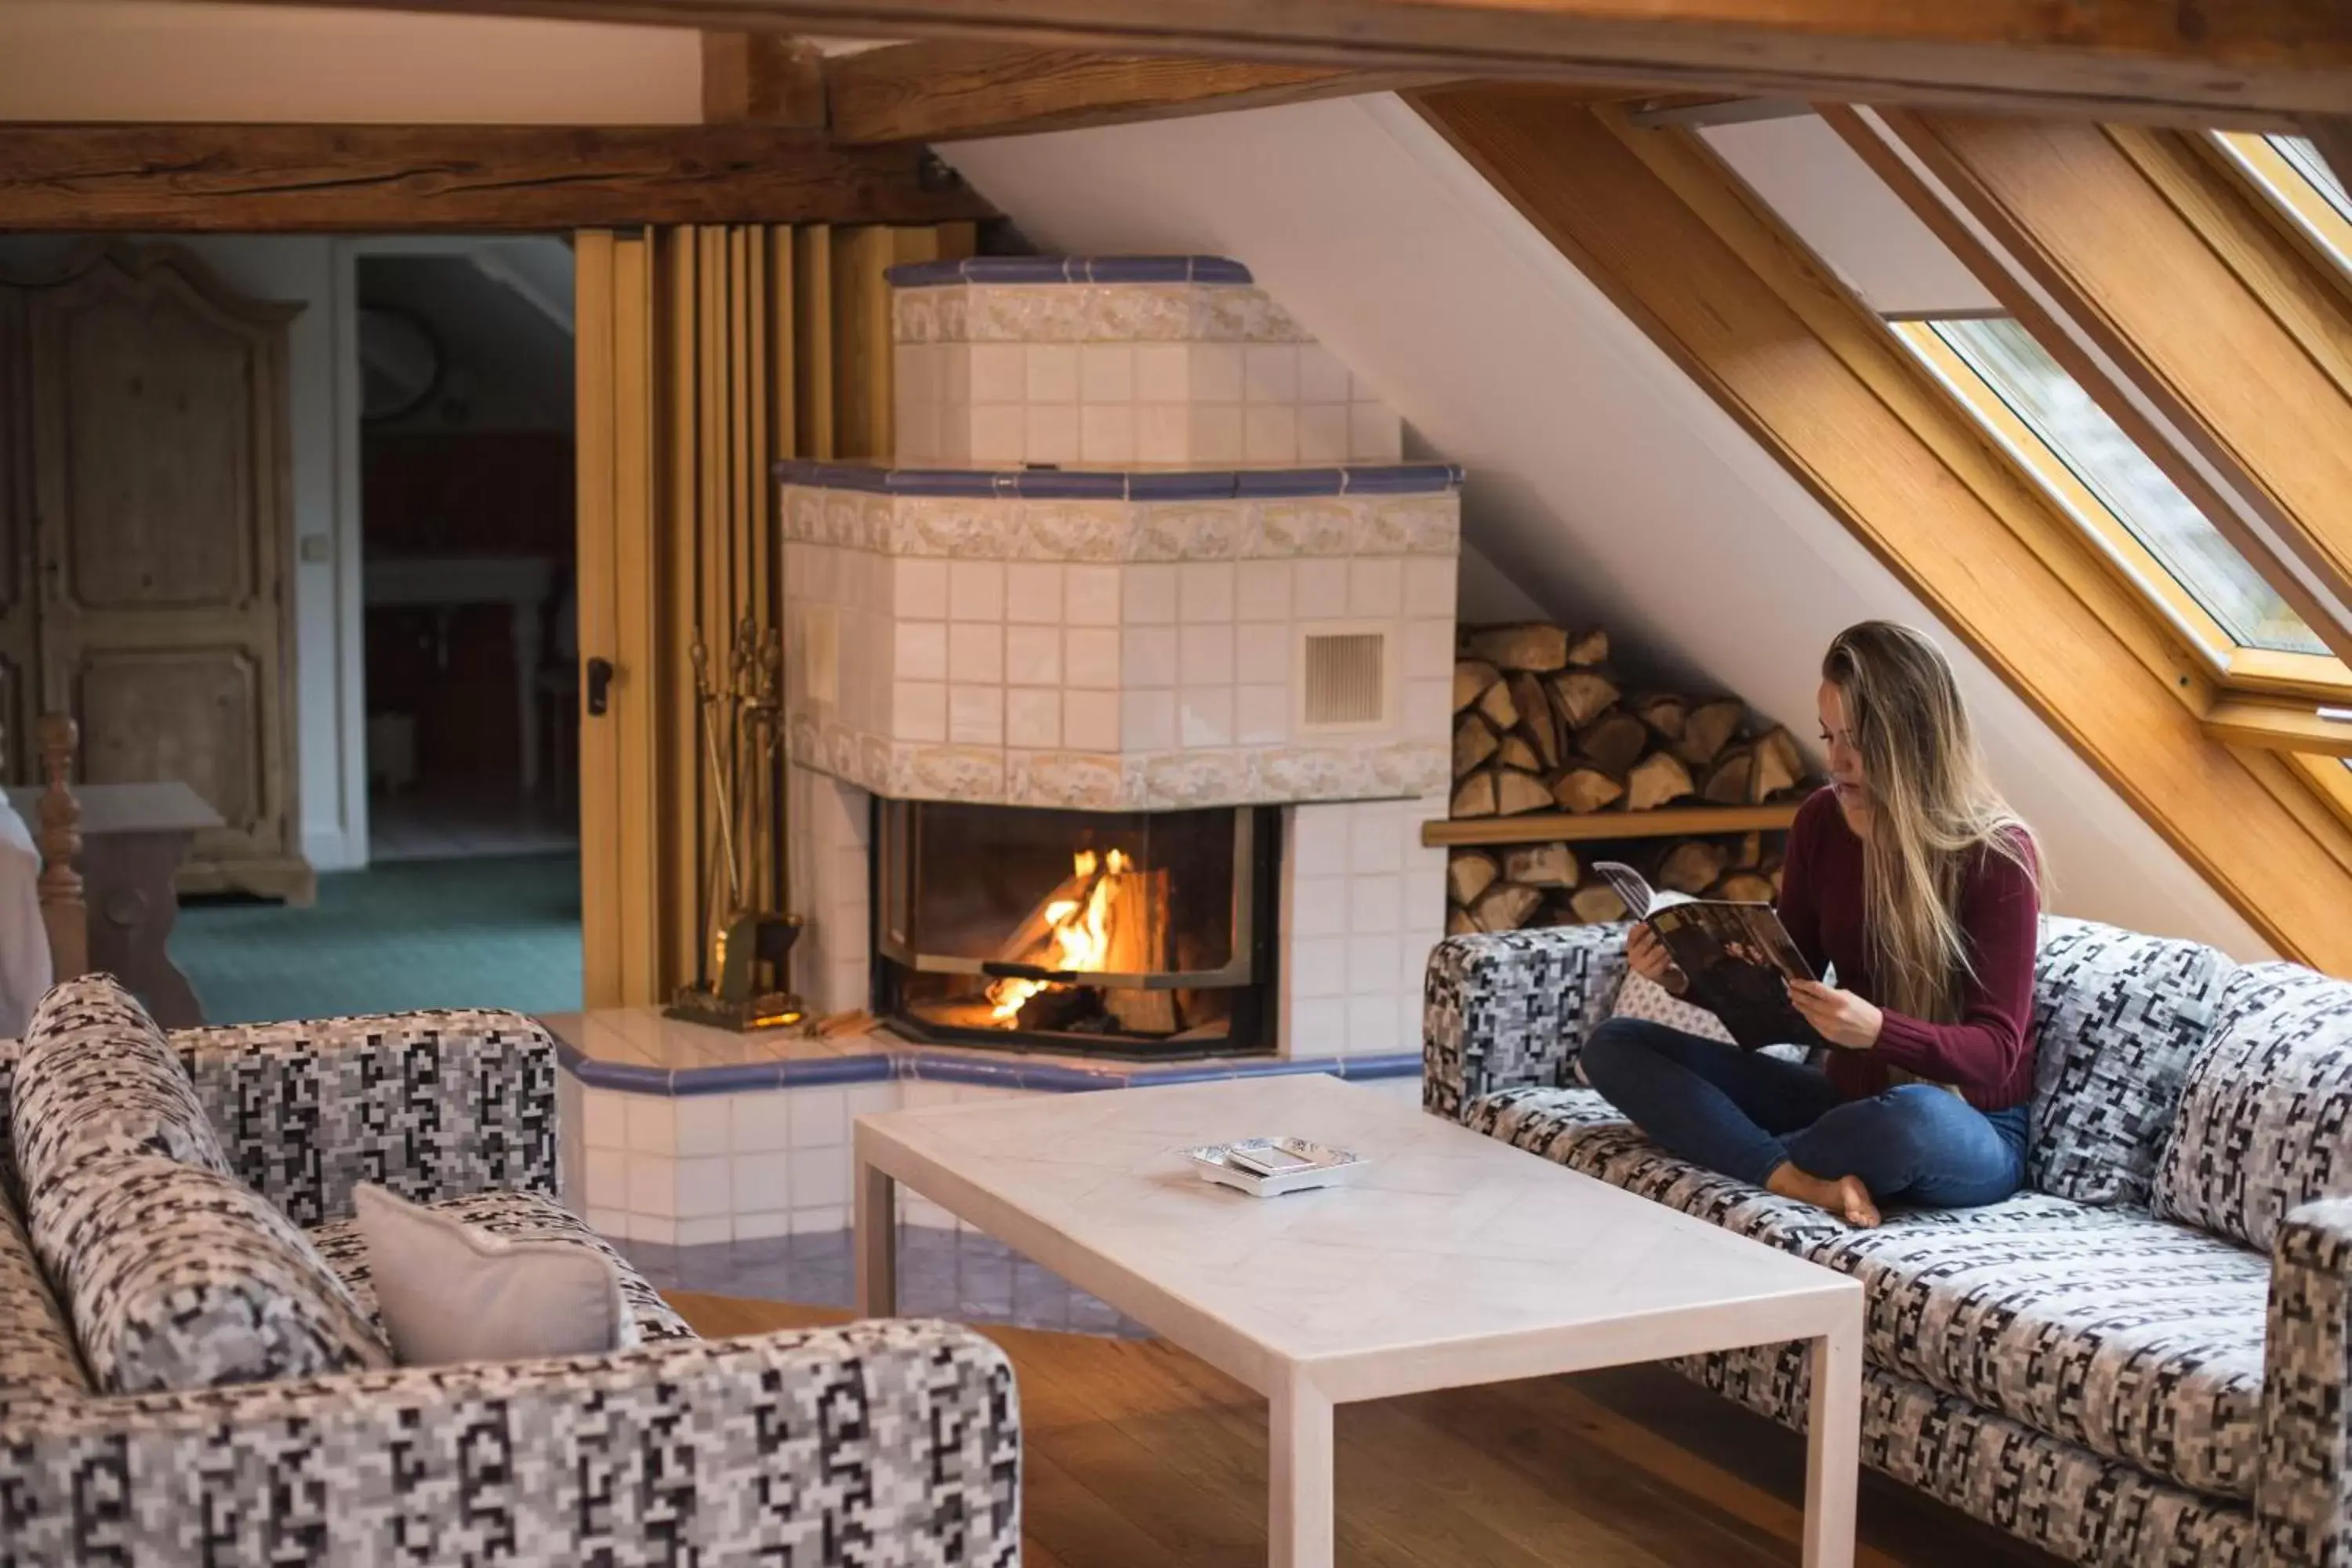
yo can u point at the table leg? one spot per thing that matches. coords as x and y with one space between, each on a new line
1833 1445
877 1242
1299 1523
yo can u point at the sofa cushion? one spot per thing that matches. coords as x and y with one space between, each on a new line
97 1078
37 1359
179 1278
2265 1121
2117 1017
2135 1339
524 1217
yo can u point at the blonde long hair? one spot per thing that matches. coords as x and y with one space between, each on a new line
1934 812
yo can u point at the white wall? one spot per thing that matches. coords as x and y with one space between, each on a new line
1602 481
149 60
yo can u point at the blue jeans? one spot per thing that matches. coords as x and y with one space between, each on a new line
1744 1114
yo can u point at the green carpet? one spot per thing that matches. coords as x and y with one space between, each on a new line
493 932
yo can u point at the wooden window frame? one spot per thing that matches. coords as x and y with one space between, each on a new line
2301 207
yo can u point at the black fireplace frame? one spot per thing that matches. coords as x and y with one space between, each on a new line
1252 976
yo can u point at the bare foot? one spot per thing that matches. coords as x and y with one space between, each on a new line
1843 1197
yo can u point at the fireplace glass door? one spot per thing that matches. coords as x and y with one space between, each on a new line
1126 934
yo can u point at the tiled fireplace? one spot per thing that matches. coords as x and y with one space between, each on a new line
1127 686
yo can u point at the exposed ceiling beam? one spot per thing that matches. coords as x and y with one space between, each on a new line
963 89
2248 63
495 178
762 78
1667 231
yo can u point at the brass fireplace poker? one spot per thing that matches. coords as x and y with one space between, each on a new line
744 976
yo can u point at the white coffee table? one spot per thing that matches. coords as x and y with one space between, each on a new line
1453 1259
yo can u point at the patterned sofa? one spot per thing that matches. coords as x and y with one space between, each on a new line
881 1442
2142 1359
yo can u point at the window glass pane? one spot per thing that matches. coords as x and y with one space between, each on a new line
2307 162
2128 484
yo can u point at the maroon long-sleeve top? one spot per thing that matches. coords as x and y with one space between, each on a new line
1987 1054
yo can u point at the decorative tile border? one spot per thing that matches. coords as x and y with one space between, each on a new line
999 269
1403 510
934 1065
1068 311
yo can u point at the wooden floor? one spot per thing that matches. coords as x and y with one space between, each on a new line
1138 1456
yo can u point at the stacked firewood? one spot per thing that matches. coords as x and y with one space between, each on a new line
1541 725
1508 887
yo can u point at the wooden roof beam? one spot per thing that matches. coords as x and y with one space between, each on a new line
2250 64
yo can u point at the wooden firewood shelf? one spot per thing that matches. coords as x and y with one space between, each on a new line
1667 821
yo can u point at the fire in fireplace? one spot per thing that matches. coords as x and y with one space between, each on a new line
1138 934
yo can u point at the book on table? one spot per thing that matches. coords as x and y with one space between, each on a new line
1737 956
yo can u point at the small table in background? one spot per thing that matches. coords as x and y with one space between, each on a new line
133 839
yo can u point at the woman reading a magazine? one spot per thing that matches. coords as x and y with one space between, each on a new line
1913 879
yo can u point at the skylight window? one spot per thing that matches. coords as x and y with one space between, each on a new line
2303 157
2101 475
2292 171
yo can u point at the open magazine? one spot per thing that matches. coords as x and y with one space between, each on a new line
1738 957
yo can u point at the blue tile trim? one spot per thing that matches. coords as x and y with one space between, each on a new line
1115 484
946 1066
1068 269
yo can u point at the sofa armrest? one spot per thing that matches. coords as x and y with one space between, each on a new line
431 1105
1509 1010
883 1442
2303 1484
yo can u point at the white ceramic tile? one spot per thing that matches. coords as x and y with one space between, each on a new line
702 1124
1106 432
1163 433
1107 373
661 1230
918 589
1428 650
955 373
764 1227
1147 656
1318 907
1376 585
1090 657
1372 841
820 1176
1372 963
1319 589
1090 595
1429 585
1033 656
1053 374
1204 655
1322 432
1428 707
823 1221
652 1126
920 1093
1032 717
1050 433
612 1225
763 1181
1216 372
1090 721
1318 1026
653 1186
997 374
1033 593
1321 377
604 1118
1375 904
1261 715
872 1098
1149 598
976 590
605 1179
955 433
917 434
1270 373
1261 591
760 1122
1147 721
702 1188
1318 966
1319 840
919 651
1270 433
916 371
999 433
820 1118
976 652
707 1231
1162 373
975 715
1372 1025
1262 652
1205 716
918 710
1216 435
1374 434
1204 591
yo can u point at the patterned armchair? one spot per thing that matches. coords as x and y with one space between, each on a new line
2143 1358
893 1441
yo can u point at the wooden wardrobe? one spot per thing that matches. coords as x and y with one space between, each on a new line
145 541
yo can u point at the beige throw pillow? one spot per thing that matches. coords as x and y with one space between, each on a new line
449 1292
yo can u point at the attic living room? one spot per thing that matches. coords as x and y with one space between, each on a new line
1374 783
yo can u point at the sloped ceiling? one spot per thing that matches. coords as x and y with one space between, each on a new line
1602 479
502 315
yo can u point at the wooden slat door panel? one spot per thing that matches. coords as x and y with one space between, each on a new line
162 536
19 629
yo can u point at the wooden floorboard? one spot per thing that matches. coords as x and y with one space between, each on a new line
1140 1456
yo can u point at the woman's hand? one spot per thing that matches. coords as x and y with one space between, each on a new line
1841 1018
1651 961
